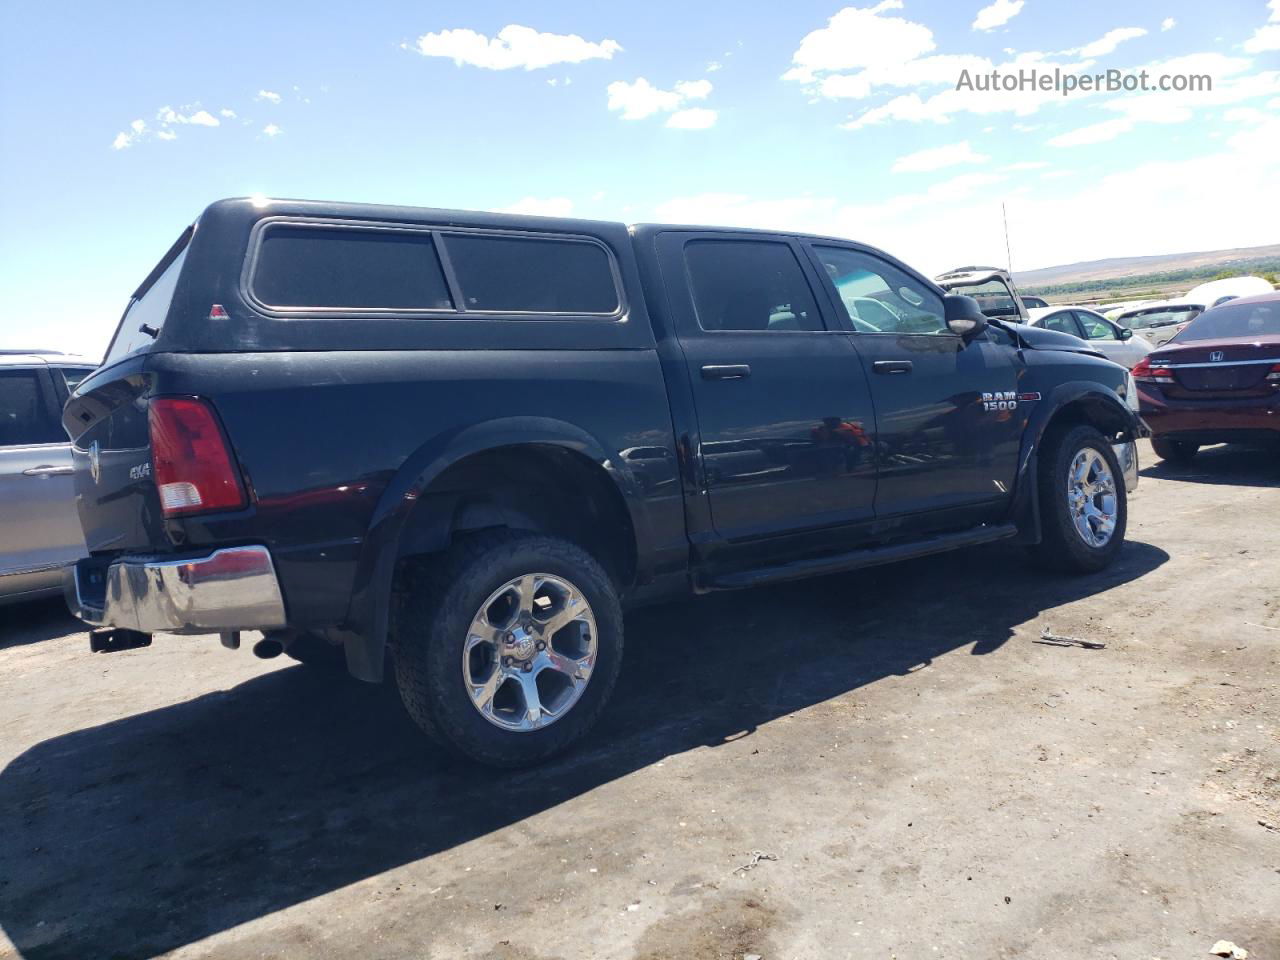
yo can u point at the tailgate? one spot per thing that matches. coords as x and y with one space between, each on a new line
111 451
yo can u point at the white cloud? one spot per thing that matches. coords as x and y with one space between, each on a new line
201 118
167 135
694 89
938 158
642 99
1027 165
268 95
271 130
1108 42
694 118
542 206
858 38
714 65
1163 205
514 46
122 141
1094 133
1264 39
1168 23
997 14
228 113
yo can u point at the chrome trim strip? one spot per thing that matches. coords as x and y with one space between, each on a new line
1216 363
231 589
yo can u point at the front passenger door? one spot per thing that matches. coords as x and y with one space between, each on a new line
947 413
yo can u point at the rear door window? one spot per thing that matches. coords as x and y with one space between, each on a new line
498 274
750 285
304 267
1062 322
25 414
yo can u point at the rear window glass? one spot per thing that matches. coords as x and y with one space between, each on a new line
73 375
24 414
1235 320
149 311
529 275
1159 317
302 267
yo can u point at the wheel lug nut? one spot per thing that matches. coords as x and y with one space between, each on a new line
506 661
541 645
527 667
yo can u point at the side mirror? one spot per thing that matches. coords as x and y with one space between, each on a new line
1125 333
963 316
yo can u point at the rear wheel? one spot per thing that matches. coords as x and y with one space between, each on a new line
1175 451
508 647
1083 507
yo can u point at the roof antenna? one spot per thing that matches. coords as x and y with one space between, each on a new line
1008 252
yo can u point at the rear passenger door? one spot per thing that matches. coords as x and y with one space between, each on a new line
39 528
783 411
947 417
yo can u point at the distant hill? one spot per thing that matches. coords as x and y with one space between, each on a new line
1100 271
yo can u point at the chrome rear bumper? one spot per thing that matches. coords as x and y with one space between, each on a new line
230 589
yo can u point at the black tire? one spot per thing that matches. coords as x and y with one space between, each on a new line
439 600
316 652
1175 451
1062 547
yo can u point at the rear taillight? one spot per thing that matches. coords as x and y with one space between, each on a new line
1144 372
194 469
1274 375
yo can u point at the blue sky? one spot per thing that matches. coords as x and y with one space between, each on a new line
121 121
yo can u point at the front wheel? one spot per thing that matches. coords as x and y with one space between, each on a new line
1083 506
507 648
1175 451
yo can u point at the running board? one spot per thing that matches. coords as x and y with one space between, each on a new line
855 560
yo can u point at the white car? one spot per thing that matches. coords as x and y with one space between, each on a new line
1113 340
1217 292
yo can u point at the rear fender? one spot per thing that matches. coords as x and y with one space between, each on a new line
368 617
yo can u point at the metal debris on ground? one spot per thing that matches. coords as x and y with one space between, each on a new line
756 857
1056 640
1225 948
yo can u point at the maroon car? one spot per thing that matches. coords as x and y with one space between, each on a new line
1217 381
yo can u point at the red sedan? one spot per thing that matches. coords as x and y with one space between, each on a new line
1217 381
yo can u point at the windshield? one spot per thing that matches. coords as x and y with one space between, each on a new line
1235 320
994 298
1160 316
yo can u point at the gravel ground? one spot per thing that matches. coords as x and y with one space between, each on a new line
881 764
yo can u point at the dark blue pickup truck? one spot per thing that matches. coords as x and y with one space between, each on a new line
453 446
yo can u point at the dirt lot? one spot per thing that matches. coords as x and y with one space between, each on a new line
883 764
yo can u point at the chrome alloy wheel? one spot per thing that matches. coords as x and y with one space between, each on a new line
1091 497
529 653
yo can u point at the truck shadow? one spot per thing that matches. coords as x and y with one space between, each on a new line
1237 466
142 835
35 621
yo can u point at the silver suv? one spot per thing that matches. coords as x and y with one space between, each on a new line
39 527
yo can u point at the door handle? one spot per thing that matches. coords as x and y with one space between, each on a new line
48 470
892 366
726 371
